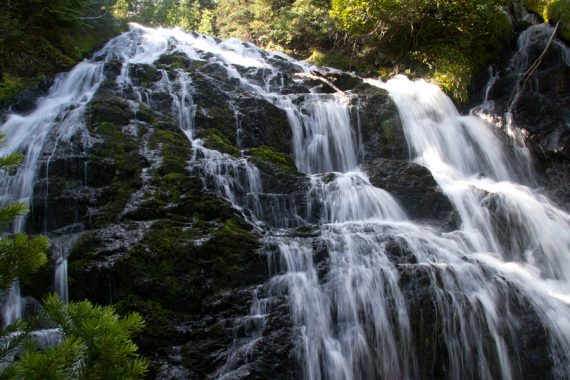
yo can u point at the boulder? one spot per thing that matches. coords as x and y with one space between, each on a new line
381 129
414 187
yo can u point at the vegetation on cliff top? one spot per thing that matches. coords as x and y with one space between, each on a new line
448 40
41 37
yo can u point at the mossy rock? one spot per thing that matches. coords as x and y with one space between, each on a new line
339 61
552 11
120 149
145 75
85 279
29 58
144 113
161 267
380 126
177 60
160 323
537 6
213 111
265 155
219 117
202 207
169 267
108 107
214 139
263 123
175 147
226 254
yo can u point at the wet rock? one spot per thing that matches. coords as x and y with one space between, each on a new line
284 199
380 126
176 60
25 100
431 308
414 187
262 123
540 108
144 75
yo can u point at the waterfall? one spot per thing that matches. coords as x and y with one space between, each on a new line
466 158
357 287
57 115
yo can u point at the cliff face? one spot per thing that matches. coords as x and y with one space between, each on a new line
171 181
153 224
529 86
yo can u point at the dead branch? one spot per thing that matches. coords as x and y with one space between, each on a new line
532 68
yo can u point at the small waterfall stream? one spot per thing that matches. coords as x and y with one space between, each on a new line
58 114
351 307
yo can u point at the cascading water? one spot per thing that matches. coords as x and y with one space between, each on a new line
530 241
58 114
351 304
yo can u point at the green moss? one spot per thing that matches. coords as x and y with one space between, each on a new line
537 6
81 257
452 70
85 246
11 85
453 62
221 118
560 11
107 107
175 149
214 139
269 155
225 254
38 51
387 130
168 267
160 267
160 322
115 198
174 60
122 149
144 113
339 61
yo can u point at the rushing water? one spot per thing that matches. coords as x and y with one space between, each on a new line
59 114
352 311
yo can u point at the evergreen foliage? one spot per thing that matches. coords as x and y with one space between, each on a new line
41 37
188 14
95 342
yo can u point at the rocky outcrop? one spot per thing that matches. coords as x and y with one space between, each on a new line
380 125
149 232
415 188
540 107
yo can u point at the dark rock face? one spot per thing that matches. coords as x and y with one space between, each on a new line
415 188
540 108
148 236
421 286
380 125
